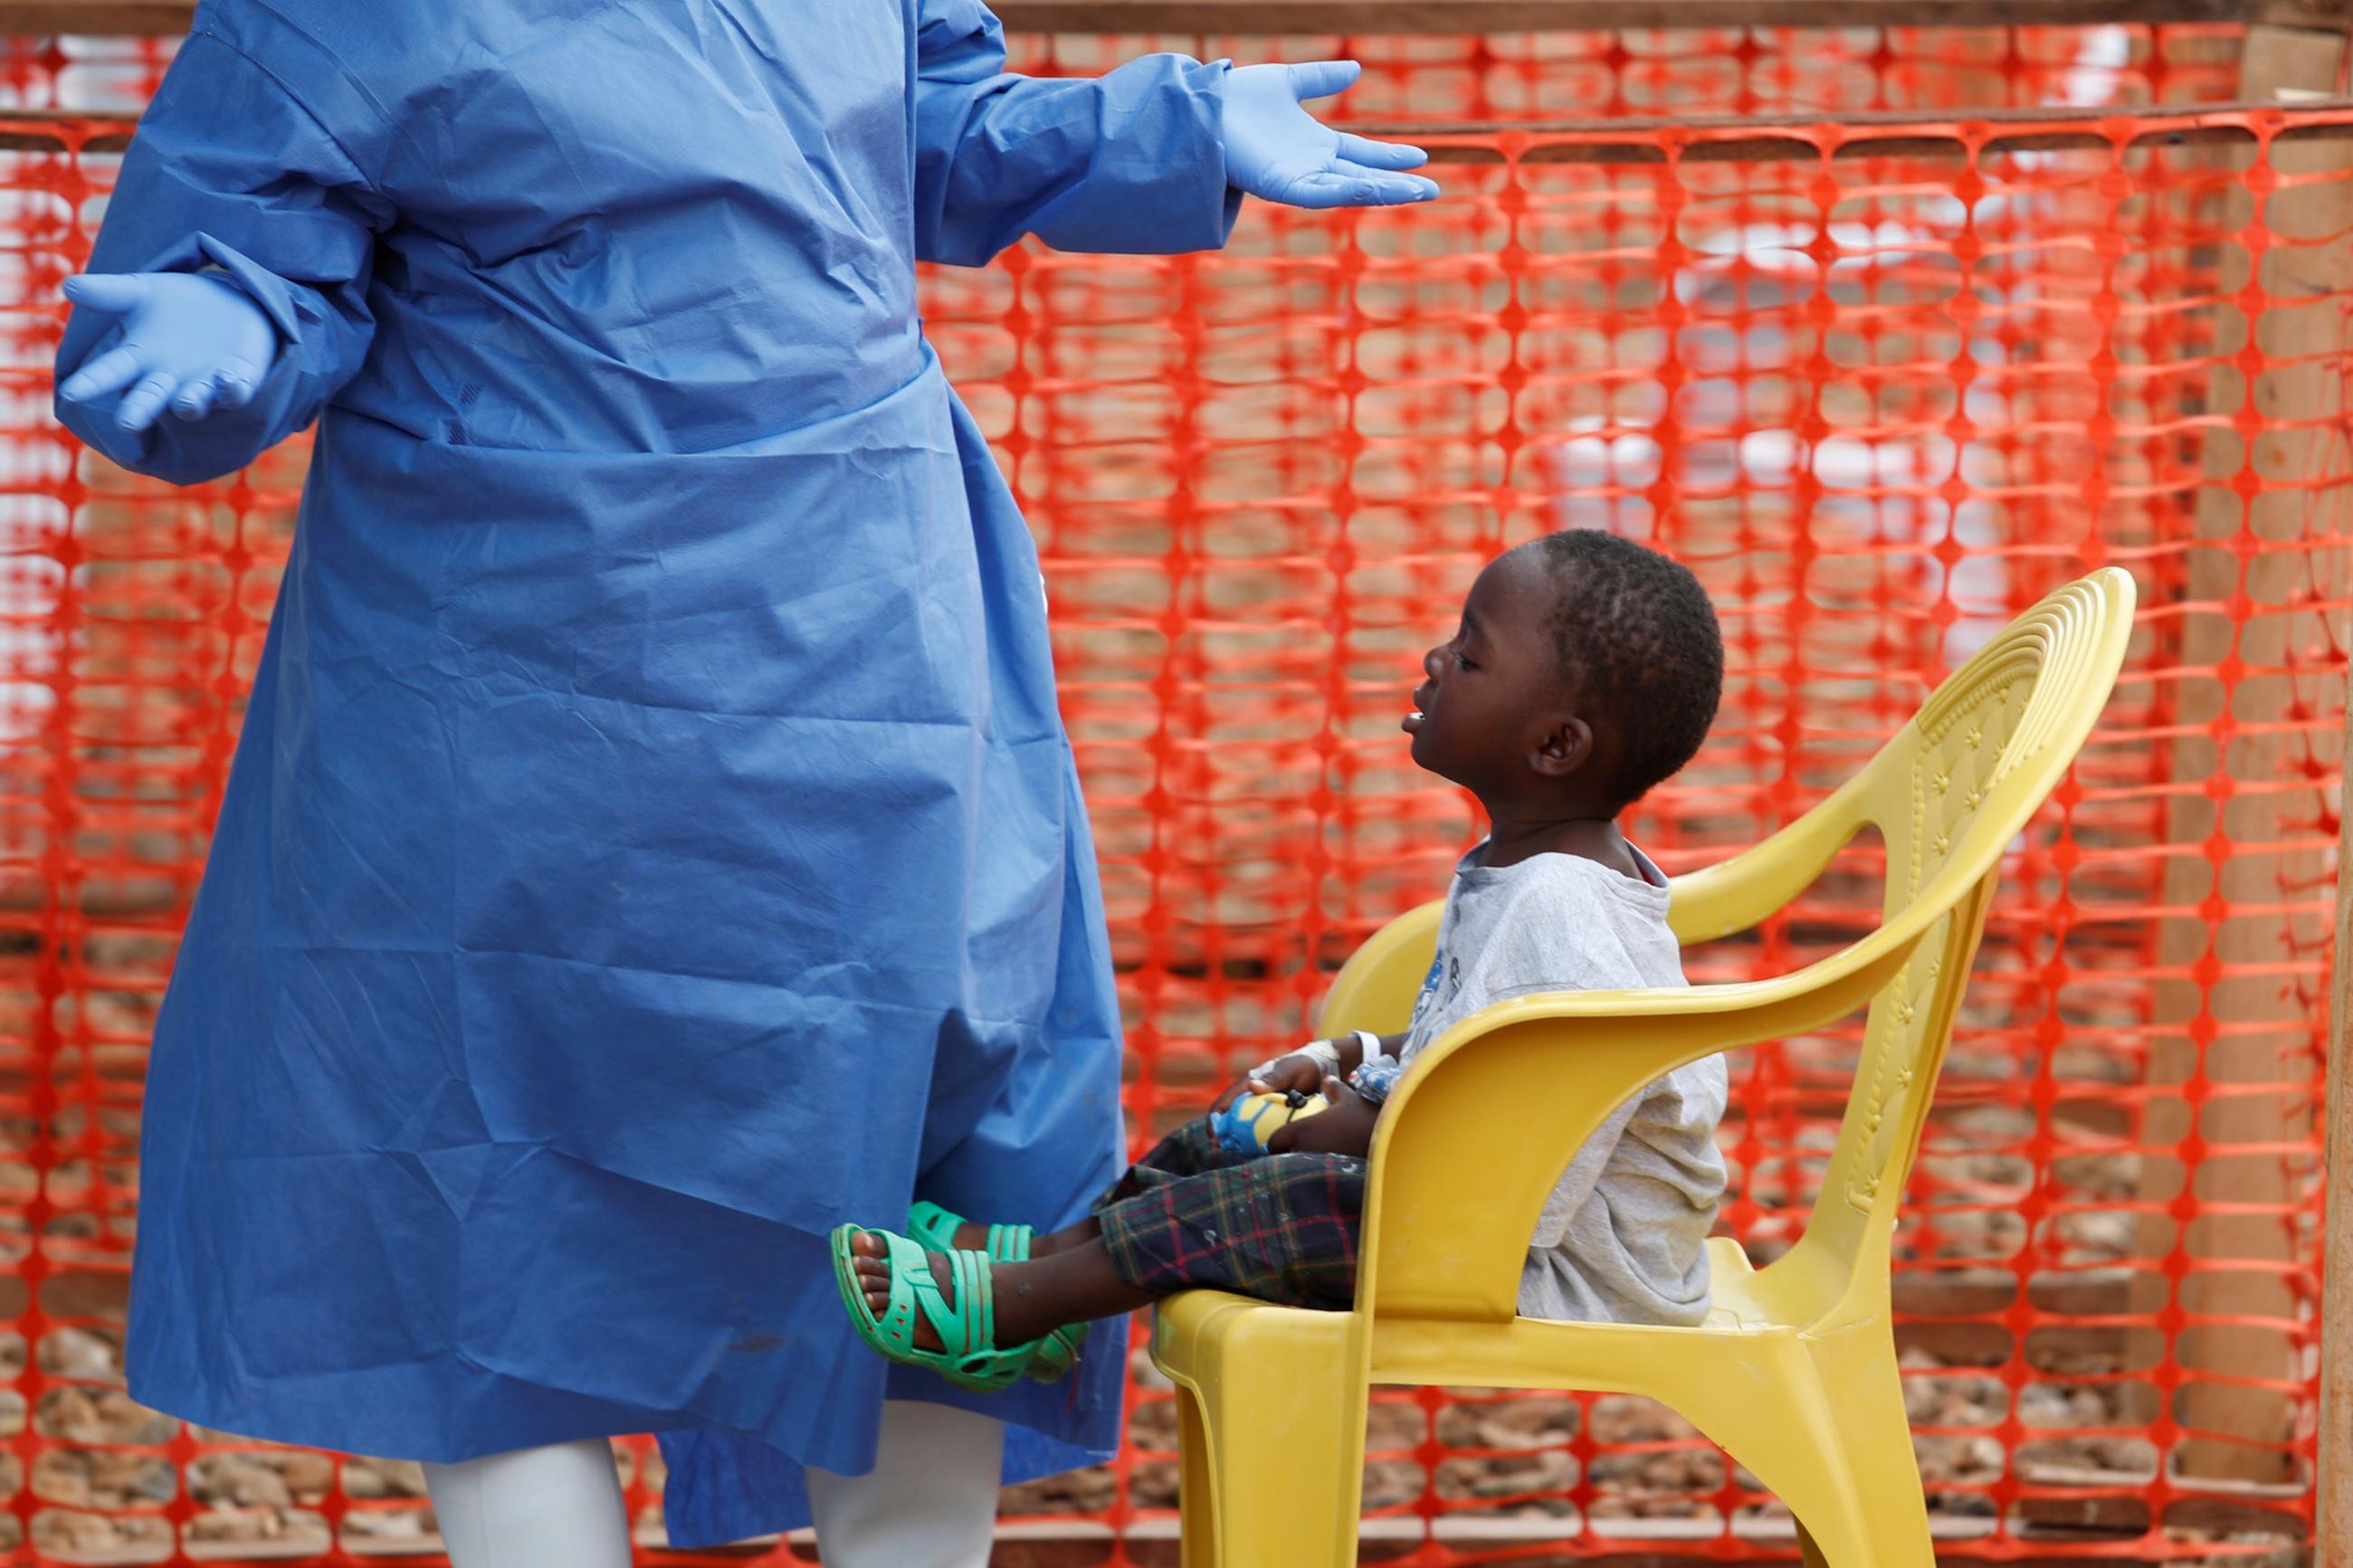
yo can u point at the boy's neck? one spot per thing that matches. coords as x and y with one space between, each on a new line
1513 837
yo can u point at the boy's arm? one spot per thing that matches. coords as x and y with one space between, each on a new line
1348 1051
1306 1069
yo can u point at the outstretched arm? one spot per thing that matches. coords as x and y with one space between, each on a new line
1152 159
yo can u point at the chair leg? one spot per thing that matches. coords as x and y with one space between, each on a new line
1197 1516
1863 1507
1805 1466
1833 1444
1272 1440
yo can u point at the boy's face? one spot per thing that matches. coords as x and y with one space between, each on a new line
1494 713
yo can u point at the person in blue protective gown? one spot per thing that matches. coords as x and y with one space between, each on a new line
653 840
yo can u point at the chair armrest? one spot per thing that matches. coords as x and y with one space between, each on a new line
1478 1131
1376 988
1735 894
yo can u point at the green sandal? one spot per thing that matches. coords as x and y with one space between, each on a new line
1057 1353
967 1326
934 1229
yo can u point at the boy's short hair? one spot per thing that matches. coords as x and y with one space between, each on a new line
1636 632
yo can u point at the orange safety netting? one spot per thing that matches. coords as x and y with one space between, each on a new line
1879 386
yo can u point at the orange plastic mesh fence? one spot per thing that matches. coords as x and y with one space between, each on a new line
1880 395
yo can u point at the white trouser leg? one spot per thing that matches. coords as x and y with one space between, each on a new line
557 1507
930 1500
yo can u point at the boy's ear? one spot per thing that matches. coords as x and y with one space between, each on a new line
1567 746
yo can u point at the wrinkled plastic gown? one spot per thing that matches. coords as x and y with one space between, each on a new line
653 840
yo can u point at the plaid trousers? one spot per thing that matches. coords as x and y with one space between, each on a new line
1283 1227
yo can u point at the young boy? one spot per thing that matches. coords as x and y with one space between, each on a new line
1586 670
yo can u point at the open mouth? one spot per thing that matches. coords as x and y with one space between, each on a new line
1422 699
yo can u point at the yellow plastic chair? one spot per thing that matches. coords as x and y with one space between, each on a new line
1794 1370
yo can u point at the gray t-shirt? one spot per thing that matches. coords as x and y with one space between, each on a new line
1622 1236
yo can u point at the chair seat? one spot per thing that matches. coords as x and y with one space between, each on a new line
1670 1364
1194 1331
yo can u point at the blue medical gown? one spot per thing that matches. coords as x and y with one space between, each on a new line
653 840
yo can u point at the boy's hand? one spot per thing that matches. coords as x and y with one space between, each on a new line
1347 1128
1303 1073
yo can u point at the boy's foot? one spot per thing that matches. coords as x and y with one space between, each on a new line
1012 1311
874 1279
962 1295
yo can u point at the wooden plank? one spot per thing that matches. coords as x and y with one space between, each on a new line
2332 1540
2260 1023
64 130
1261 17
2333 1528
1369 16
95 18
21 133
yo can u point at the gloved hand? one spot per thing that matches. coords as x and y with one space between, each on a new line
1277 150
188 340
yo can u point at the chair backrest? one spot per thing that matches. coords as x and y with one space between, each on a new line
1948 793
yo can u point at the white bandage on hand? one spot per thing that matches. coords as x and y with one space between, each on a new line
1325 1052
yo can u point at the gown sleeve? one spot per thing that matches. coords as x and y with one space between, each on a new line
229 174
1130 162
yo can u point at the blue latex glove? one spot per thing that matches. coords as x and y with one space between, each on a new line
189 341
1276 150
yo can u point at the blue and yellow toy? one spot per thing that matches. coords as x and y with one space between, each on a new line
1245 1126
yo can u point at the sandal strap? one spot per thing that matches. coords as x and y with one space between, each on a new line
953 1320
932 1225
892 1331
1057 1353
967 1326
976 1304
936 1228
915 1291
897 1323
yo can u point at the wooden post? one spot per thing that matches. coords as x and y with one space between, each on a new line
46 18
2333 1528
1361 18
42 19
2263 1023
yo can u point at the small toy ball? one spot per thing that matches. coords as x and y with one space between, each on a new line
1246 1125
